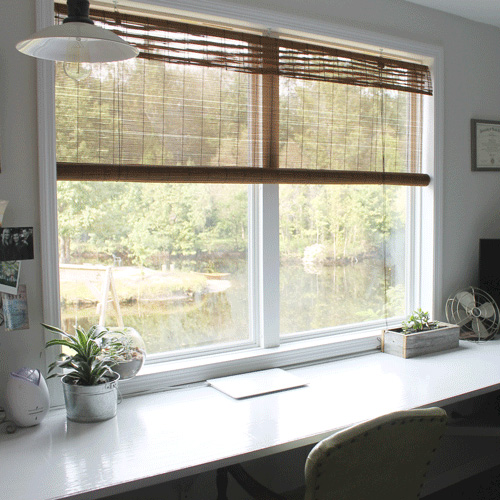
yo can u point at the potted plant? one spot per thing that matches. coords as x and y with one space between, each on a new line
419 335
89 383
125 347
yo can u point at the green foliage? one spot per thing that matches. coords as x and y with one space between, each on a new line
418 322
90 363
349 221
148 224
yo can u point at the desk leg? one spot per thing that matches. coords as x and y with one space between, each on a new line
221 481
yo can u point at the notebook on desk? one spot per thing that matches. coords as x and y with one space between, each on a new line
256 383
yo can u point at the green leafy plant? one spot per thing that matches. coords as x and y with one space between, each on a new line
418 322
90 364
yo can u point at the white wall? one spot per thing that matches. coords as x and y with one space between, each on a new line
19 176
472 90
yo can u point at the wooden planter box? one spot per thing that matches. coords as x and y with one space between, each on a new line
394 341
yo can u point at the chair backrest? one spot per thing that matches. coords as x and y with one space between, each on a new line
385 458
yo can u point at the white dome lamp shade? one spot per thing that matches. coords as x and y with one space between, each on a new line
77 40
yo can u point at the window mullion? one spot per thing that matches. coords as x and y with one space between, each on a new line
268 217
269 265
264 265
413 226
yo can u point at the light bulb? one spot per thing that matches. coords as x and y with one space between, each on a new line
77 71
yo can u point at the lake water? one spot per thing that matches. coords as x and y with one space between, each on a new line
310 298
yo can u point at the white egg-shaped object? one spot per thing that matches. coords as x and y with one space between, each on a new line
27 397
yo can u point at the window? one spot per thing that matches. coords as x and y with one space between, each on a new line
216 208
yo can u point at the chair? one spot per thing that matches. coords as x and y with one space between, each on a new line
381 459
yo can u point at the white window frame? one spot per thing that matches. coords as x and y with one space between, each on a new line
425 217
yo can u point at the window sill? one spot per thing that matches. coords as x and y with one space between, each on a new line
155 377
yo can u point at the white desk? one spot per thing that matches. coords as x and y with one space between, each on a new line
178 433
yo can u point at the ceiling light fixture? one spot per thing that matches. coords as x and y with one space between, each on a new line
77 40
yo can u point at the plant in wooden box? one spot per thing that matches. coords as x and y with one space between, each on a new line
419 335
89 383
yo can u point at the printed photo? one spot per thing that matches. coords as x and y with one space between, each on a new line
15 310
9 276
16 243
3 206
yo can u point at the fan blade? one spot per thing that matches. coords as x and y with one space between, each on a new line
463 320
480 329
487 310
466 299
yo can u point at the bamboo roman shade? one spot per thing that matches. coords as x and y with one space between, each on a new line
204 104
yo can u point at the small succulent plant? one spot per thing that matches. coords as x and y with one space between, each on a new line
418 322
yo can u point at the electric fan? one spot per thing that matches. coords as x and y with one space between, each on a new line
475 312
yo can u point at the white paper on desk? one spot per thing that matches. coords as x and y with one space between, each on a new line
256 383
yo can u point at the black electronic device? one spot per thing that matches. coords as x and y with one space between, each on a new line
489 267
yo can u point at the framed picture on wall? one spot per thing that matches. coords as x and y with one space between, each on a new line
485 146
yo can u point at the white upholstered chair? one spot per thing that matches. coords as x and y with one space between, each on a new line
381 459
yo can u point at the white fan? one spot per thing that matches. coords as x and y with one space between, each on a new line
475 312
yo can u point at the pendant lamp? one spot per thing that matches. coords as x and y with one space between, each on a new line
77 40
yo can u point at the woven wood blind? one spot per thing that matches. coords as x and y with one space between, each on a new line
183 43
203 104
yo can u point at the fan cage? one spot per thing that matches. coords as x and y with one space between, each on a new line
476 312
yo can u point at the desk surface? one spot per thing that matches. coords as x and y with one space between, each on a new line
173 434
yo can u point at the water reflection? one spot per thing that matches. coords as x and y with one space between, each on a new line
312 296
317 296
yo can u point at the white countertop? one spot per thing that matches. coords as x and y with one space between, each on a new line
173 434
